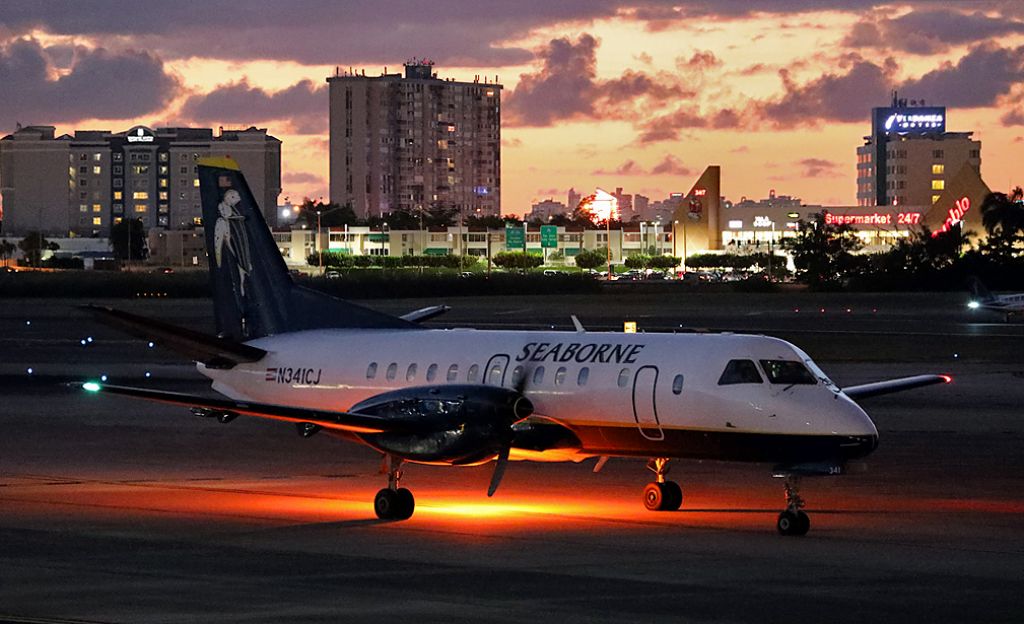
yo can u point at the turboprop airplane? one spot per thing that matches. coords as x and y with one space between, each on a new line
982 298
467 397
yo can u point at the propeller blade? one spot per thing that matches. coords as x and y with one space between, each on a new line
499 470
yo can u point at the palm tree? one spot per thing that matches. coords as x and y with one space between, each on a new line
1002 214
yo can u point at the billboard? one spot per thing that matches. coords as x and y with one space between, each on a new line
909 120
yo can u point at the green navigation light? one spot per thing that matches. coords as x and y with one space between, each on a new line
91 386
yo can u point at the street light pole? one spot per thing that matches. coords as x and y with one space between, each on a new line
319 247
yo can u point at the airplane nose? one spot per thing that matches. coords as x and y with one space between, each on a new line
860 431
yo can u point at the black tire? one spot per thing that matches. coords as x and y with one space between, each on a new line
793 523
673 496
387 504
654 497
406 504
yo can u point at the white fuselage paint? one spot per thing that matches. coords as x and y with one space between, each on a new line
328 370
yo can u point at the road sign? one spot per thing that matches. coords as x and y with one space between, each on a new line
515 238
549 236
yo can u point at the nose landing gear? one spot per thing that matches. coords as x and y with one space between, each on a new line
393 502
662 495
793 521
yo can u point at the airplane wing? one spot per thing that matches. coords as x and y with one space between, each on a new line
339 421
210 350
894 385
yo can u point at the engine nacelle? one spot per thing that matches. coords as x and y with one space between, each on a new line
462 424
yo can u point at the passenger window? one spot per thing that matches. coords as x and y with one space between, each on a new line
431 372
581 379
517 375
740 372
474 372
371 370
787 372
538 376
392 371
496 374
560 376
410 373
623 378
677 384
453 372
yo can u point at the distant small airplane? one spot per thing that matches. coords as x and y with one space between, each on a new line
467 397
982 298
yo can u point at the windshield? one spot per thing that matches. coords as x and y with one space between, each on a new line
787 372
740 372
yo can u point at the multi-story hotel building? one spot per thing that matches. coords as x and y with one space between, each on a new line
82 184
909 158
412 141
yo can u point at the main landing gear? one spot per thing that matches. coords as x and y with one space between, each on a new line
662 495
393 502
793 521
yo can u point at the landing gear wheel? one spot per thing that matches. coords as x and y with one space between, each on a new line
394 504
667 496
406 504
793 523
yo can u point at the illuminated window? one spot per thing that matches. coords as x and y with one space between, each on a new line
83 207
140 169
410 373
118 219
163 182
96 170
140 207
163 156
935 198
431 372
118 194
140 195
938 169
197 220
453 372
97 220
163 195
195 182
938 185
97 208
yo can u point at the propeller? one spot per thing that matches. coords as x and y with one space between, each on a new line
521 408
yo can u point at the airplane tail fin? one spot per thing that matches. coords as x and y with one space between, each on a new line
253 294
979 291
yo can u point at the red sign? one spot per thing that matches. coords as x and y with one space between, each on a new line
956 215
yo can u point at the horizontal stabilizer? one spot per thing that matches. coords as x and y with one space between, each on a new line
895 385
425 314
338 421
210 350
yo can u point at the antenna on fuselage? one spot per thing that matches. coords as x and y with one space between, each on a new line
579 326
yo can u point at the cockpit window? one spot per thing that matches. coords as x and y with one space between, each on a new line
740 372
787 372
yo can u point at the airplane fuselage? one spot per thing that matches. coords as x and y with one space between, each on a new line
655 395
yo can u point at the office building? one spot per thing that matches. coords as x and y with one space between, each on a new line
412 141
81 184
909 158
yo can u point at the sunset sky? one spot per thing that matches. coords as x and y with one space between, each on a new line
640 95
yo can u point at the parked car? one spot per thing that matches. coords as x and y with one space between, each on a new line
332 274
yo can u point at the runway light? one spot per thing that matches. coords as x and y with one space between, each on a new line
151 345
823 310
82 341
148 374
848 310
89 338
30 370
91 386
28 322
956 355
103 377
974 305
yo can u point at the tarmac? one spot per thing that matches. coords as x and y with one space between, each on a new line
120 511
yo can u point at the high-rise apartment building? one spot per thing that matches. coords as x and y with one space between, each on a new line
82 184
413 141
909 158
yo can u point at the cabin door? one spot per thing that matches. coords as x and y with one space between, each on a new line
645 410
